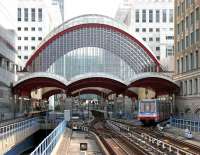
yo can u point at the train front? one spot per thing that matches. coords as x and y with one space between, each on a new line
147 112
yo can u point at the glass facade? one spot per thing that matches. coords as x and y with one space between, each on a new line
98 45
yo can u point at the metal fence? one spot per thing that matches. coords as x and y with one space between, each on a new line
48 144
14 133
183 123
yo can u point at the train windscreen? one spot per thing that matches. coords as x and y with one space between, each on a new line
147 106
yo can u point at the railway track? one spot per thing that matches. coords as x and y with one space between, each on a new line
116 143
167 144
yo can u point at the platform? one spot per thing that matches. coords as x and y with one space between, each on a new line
69 144
179 133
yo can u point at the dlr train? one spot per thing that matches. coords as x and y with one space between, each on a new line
154 110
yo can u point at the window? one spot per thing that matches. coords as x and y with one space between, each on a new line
150 16
183 25
183 7
187 22
33 38
19 47
137 16
19 38
143 29
191 61
33 47
182 65
197 35
192 18
33 14
19 28
39 28
25 47
197 59
157 39
169 37
157 30
137 30
164 15
157 16
158 57
171 15
39 38
192 38
150 39
195 86
19 14
177 66
190 87
19 56
187 41
183 44
143 16
26 29
25 14
157 48
39 14
32 28
150 30
25 38
187 63
25 57
144 39
197 14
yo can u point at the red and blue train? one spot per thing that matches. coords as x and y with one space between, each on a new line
154 110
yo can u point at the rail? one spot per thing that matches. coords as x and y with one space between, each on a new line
152 142
192 125
14 133
48 144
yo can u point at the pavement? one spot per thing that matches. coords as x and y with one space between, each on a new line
179 134
70 144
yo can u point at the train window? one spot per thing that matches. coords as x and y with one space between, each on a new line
141 107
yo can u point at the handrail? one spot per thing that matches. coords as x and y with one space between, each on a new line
48 144
14 133
4 130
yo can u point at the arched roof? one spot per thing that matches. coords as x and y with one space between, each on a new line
93 31
96 80
39 80
160 83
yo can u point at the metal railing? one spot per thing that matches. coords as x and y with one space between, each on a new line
14 133
192 125
48 144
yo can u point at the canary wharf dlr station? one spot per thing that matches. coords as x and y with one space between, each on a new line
93 56
92 86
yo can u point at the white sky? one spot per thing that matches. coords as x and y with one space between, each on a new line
75 8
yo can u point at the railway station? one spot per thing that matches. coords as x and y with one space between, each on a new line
93 87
